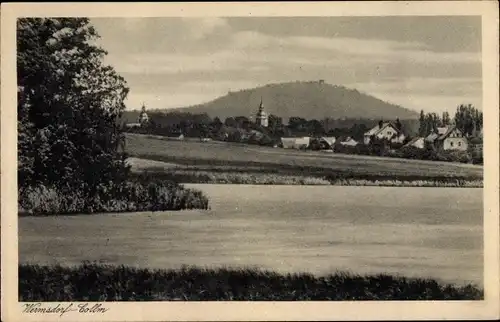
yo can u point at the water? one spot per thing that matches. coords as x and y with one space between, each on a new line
416 232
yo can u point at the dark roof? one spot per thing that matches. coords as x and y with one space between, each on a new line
415 139
448 132
376 129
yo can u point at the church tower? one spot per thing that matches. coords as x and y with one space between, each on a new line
261 118
143 117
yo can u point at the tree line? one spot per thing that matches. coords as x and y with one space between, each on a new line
236 128
467 118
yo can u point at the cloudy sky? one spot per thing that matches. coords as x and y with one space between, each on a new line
429 63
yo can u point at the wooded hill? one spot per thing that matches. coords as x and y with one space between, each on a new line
310 100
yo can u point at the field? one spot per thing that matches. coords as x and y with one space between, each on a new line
231 157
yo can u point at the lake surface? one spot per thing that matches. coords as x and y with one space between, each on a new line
416 232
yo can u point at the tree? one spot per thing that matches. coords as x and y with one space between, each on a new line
446 119
297 124
231 122
216 124
468 119
422 130
69 104
398 125
274 123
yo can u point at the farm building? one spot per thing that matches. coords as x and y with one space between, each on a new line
448 138
296 143
385 130
417 142
348 141
327 141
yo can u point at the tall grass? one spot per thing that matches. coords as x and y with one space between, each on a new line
93 282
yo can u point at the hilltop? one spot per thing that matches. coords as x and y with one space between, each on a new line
309 100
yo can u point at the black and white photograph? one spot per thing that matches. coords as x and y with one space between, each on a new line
179 158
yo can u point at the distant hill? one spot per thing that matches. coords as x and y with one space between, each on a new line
310 100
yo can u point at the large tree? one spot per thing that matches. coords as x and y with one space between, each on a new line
69 103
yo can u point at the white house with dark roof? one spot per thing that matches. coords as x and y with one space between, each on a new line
448 138
384 130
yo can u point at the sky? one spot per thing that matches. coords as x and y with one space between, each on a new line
428 63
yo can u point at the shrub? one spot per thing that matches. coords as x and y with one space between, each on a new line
131 196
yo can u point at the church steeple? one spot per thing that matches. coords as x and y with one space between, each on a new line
143 116
261 118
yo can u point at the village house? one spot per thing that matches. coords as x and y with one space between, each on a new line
324 142
296 143
385 130
417 142
448 138
347 141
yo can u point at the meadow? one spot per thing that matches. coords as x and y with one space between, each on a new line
221 162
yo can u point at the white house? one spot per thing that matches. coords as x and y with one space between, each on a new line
448 138
386 131
295 143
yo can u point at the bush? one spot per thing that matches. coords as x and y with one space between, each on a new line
131 196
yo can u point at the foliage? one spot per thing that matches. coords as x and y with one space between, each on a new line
145 194
97 282
429 153
468 119
68 104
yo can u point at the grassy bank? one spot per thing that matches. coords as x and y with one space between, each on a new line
243 176
93 282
